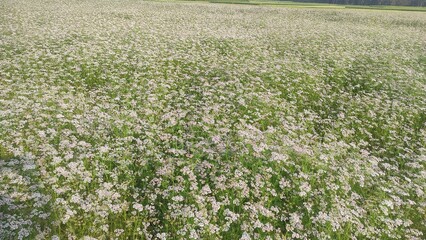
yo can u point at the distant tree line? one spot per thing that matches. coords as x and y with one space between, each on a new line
371 2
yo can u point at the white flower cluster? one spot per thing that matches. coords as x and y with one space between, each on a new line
160 120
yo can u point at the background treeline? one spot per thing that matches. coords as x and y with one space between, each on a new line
371 2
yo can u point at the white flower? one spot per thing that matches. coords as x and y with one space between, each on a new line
245 236
138 207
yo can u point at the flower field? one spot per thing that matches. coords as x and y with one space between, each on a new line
163 120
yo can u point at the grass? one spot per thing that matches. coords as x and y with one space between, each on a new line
291 4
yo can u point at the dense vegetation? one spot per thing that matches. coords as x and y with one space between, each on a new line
419 3
127 119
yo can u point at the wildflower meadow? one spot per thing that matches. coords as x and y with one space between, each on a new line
191 120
